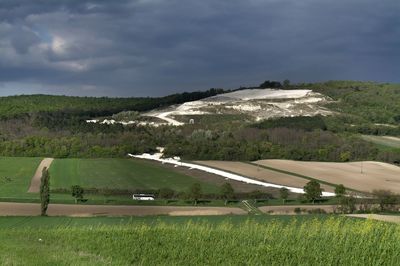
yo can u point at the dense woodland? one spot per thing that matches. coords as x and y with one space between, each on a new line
23 105
55 126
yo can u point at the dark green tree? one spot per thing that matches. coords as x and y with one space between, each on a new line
270 84
340 190
312 190
257 195
347 204
387 200
284 193
195 192
227 192
44 191
77 192
166 193
286 83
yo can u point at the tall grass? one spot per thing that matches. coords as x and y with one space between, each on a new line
334 241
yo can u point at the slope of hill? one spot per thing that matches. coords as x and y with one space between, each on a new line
257 103
224 128
15 106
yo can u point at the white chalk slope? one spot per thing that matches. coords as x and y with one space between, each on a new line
258 103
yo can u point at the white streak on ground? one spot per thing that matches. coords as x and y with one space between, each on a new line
176 162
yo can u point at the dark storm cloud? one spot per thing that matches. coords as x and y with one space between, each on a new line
154 47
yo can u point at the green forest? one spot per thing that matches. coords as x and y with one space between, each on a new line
42 125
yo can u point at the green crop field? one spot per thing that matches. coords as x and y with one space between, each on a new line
57 221
331 241
16 174
120 174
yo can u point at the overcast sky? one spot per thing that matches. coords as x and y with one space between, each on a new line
154 47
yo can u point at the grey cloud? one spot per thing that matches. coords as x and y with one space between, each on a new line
152 47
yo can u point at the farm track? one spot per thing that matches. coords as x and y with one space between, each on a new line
33 209
35 182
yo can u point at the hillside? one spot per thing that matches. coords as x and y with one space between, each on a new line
16 106
259 104
320 122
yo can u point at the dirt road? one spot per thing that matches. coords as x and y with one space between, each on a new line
33 209
35 183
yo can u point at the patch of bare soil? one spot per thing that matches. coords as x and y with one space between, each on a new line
35 182
363 176
33 209
261 174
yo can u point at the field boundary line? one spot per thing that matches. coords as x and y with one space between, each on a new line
301 176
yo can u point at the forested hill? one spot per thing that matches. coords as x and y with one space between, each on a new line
16 106
362 101
55 126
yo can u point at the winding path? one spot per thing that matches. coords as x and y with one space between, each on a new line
35 182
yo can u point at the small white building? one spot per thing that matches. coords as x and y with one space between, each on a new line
143 197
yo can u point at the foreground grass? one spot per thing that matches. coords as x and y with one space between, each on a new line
120 174
332 241
65 221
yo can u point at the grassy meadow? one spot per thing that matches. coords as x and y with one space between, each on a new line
16 175
327 241
120 174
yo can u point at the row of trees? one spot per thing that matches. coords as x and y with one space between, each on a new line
244 144
198 144
194 193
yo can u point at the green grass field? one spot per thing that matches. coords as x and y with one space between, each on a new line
120 174
326 241
63 221
16 174
383 141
